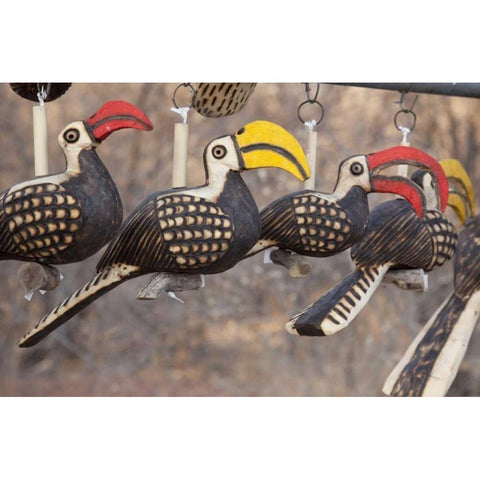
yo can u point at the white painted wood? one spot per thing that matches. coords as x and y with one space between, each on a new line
393 377
180 154
309 184
448 362
329 327
40 139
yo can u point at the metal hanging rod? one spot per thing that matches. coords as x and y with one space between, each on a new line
470 90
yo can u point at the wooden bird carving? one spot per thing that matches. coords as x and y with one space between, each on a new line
430 364
68 216
205 230
395 237
221 99
317 224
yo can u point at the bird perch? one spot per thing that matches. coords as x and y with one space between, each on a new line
415 280
170 282
34 277
295 264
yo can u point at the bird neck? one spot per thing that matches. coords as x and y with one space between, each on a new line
72 160
342 189
216 178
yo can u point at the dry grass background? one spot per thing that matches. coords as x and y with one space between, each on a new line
228 338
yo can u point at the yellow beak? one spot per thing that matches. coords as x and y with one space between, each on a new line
460 195
265 144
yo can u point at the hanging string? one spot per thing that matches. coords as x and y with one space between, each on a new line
42 95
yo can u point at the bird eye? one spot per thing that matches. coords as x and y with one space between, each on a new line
71 135
219 151
356 168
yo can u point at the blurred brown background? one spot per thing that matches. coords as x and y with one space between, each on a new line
229 337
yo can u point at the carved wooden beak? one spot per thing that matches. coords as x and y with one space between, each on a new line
116 115
407 156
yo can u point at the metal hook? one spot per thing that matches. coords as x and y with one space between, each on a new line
308 90
408 112
185 85
401 100
311 101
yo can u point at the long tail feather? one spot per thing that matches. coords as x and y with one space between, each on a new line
335 310
102 283
431 362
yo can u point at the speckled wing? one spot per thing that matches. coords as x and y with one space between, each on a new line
306 223
467 264
173 233
444 238
394 236
38 221
221 99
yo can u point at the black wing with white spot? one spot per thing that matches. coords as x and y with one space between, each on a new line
306 223
444 238
38 221
172 233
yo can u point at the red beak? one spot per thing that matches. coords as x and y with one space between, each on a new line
115 115
402 186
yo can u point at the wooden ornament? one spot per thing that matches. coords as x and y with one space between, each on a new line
221 99
430 364
67 217
199 230
395 237
30 91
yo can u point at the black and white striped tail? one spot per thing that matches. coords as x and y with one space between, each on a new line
335 310
103 282
431 362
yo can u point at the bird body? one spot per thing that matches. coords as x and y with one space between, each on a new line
207 229
54 219
395 237
198 230
314 224
68 216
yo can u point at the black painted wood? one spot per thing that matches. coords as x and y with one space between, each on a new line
30 91
414 376
312 226
61 223
180 232
395 237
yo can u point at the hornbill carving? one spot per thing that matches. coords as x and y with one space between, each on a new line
203 230
319 225
68 216
395 237
430 364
